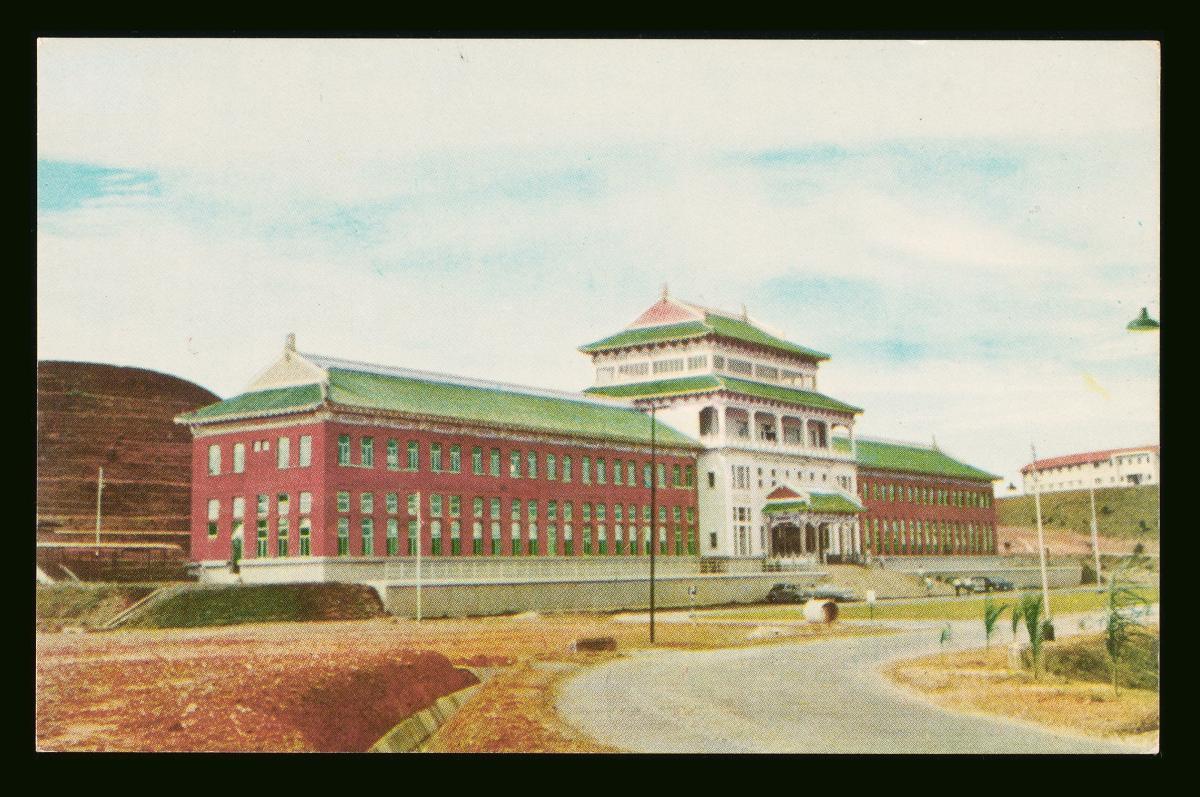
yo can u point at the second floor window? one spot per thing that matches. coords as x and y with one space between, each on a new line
495 462
305 450
477 461
514 464
455 459
414 455
393 455
214 460
284 452
531 465
367 444
435 457
343 449
239 457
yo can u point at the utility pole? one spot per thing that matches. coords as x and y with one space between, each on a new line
418 557
1037 503
653 510
1095 535
99 493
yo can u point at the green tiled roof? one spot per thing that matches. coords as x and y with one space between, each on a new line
261 402
910 459
709 383
829 503
489 405
713 324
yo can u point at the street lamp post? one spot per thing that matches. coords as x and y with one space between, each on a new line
418 557
1095 537
1037 503
653 506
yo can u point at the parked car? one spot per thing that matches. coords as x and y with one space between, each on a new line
787 593
833 592
981 584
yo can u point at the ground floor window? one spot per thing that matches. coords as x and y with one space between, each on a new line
496 545
435 535
691 543
477 536
393 536
305 536
514 532
587 538
552 540
281 544
455 537
412 538
568 540
368 536
533 538
262 538
601 540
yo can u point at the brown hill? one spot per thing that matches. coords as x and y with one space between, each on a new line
91 415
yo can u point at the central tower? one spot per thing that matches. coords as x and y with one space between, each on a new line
771 480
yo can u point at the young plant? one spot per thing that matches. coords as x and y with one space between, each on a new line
991 614
1031 613
1016 618
1125 605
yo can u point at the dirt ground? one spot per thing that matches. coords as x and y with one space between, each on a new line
329 685
981 681
1064 543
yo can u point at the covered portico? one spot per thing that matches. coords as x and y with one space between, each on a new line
812 524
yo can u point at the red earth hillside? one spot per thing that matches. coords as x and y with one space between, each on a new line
92 415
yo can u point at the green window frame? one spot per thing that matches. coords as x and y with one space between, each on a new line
391 503
647 475
305 536
551 539
455 506
414 504
551 467
477 460
514 464
393 536
531 465
477 538
585 470
568 511
412 538
691 541
601 471
214 515
662 474
618 473
366 448
552 510
343 449
495 462
477 507
497 540
601 539
495 509
343 539
676 476
435 537
533 539
566 467
283 531
366 503
393 455
531 509
262 538
456 459
630 473
435 505
690 476
414 456
515 514
514 534
343 501
435 457
367 527
455 538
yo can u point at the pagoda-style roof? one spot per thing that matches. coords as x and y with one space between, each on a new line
710 383
363 386
909 458
671 320
817 503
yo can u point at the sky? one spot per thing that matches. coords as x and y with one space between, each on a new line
966 227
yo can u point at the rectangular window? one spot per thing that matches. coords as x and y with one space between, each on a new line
305 536
367 451
551 467
514 464
495 462
662 474
672 366
435 505
477 507
568 511
552 510
391 503
566 471
281 542
343 502
477 538
618 473
676 476
214 513
496 544
393 536
283 452
262 538
414 456
477 461
646 475
305 450
516 509
456 459
214 460
412 538
531 507
435 457
368 536
264 504
531 465
239 508
455 506
435 534
343 449
414 504
690 476
239 457
585 470
455 537
495 509
631 473
393 455
282 502
514 535
366 503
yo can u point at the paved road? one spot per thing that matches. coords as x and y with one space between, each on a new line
816 697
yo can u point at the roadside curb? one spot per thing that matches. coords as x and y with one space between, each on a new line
413 731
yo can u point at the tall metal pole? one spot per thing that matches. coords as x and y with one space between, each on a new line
653 511
418 557
99 493
1095 535
1037 503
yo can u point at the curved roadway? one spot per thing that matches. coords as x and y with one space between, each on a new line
811 697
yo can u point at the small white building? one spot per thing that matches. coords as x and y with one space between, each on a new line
771 482
1121 467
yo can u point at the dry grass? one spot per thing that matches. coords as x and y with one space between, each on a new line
980 681
142 689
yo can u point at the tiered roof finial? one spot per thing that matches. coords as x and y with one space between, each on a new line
665 293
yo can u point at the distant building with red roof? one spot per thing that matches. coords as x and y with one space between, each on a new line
1116 467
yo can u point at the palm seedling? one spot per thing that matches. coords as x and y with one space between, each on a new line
1121 619
991 614
1031 613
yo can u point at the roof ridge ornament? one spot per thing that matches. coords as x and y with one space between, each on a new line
289 343
666 293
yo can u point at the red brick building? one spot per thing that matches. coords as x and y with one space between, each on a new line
920 501
327 458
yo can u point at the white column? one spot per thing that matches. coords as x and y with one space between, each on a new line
723 427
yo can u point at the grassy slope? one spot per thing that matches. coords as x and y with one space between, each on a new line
86 605
1085 659
1120 512
261 603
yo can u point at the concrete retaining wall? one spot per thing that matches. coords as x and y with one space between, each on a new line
413 731
463 600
